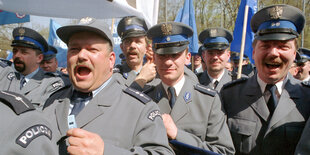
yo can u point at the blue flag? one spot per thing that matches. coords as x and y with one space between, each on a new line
55 41
186 15
11 18
236 43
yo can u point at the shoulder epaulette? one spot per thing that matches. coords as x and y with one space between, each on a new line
17 102
234 82
204 89
52 74
5 63
138 95
148 89
306 83
59 94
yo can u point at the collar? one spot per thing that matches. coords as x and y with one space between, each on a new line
197 69
29 76
218 79
280 85
177 86
307 79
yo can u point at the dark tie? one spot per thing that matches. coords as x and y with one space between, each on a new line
273 100
22 82
171 90
215 84
78 99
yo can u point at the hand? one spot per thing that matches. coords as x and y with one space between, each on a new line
84 142
147 73
171 128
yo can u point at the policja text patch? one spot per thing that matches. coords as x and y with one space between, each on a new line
32 133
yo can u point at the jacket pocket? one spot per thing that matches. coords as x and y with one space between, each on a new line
242 132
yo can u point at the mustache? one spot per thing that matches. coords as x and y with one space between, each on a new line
84 65
17 60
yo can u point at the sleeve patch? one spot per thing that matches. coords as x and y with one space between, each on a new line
57 84
152 115
32 133
138 95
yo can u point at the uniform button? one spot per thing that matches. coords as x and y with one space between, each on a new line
132 150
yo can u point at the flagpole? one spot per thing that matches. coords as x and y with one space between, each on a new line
112 26
303 32
245 21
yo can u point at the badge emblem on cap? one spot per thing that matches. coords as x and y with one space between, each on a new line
166 29
213 32
21 32
276 12
86 21
128 21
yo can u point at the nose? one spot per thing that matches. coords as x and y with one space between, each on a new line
274 52
82 56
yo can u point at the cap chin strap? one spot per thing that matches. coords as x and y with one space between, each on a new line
171 44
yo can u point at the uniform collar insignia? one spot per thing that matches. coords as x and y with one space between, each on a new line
125 75
166 29
187 96
276 12
159 95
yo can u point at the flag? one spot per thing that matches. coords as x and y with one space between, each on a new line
55 41
236 43
186 15
149 8
11 18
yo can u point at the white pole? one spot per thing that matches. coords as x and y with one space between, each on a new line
245 20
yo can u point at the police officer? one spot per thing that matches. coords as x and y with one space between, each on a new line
28 79
135 46
23 130
192 113
248 69
303 65
104 114
303 146
49 62
267 112
216 55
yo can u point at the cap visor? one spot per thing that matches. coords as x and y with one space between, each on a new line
276 36
170 50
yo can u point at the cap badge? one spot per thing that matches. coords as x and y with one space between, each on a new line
86 21
166 29
213 32
21 32
276 12
128 21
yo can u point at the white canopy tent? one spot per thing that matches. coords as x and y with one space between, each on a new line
75 9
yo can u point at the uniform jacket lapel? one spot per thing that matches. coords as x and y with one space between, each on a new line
225 79
254 97
101 102
162 99
61 111
34 82
206 80
286 103
180 108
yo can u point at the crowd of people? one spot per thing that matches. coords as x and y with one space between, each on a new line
154 103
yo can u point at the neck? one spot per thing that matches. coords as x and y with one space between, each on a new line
135 67
215 74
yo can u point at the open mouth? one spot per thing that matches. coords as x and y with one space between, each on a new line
82 70
273 65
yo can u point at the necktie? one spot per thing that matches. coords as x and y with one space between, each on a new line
273 100
22 82
171 90
78 99
215 84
